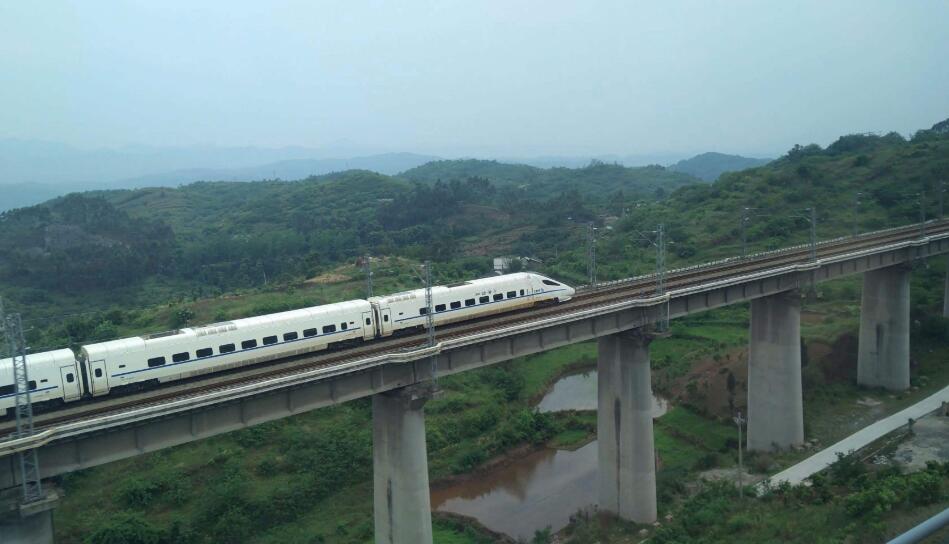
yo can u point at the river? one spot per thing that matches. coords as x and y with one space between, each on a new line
541 489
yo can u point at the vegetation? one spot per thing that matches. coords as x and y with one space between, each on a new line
853 507
125 262
597 181
709 166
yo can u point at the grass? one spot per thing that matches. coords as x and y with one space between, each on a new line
213 487
711 436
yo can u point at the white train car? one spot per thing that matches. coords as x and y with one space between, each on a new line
54 378
188 352
467 300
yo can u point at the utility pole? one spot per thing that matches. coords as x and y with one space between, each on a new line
661 277
29 463
591 254
741 469
922 214
856 208
430 319
744 234
368 267
813 211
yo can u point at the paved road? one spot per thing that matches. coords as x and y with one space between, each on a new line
821 460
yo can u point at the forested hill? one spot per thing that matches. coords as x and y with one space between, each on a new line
222 235
596 179
860 182
136 247
709 166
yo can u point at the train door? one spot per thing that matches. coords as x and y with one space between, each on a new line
385 323
98 379
368 330
70 382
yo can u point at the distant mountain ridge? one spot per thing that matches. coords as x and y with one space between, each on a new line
19 157
596 178
386 163
709 166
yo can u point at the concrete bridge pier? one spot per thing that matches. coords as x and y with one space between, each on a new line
27 523
775 401
401 501
883 349
627 459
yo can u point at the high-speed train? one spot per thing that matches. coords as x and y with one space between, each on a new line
131 363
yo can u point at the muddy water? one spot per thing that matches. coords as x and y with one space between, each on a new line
542 489
539 490
578 392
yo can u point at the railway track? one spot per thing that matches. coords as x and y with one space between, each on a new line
585 298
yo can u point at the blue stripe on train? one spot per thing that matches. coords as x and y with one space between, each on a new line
31 392
477 305
159 367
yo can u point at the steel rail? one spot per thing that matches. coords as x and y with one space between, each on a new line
635 287
350 361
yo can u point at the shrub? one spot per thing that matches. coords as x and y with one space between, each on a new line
846 469
707 461
139 492
126 528
469 460
180 317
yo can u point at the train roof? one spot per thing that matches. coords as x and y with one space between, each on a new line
45 357
236 324
480 282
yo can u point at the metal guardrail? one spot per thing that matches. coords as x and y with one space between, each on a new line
924 529
750 257
103 422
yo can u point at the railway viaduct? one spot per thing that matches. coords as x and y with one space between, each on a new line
398 374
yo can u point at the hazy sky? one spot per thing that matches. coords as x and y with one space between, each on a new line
506 78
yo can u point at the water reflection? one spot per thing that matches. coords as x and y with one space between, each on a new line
543 488
578 392
539 490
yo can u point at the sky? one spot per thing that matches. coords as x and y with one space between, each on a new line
507 78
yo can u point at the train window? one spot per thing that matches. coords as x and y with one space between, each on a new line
287 336
512 294
484 300
32 385
270 340
247 344
98 373
469 302
522 292
329 328
343 326
385 318
439 307
551 282
153 362
499 296
422 311
7 390
204 352
455 305
226 348
181 357
368 321
309 332
70 378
